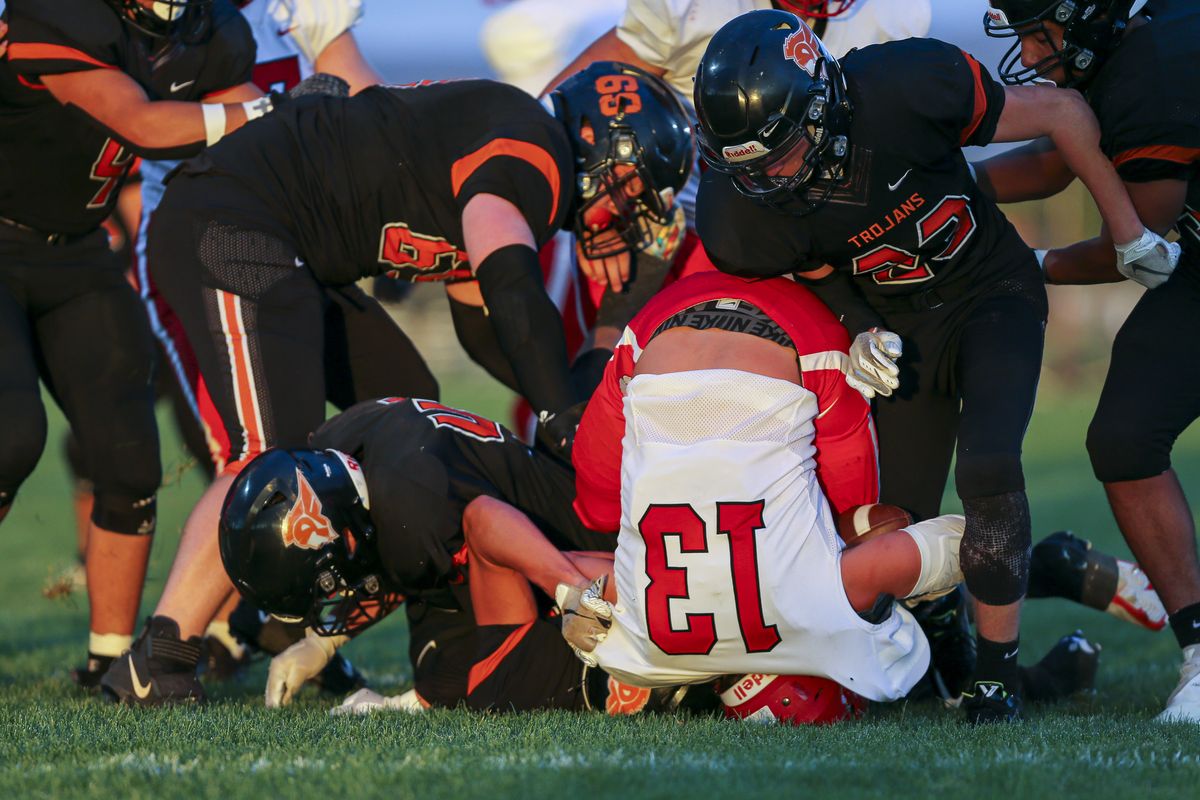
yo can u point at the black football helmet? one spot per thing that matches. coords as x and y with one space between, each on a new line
163 18
773 110
297 540
1091 31
620 116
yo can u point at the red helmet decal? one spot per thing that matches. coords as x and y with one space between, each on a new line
625 699
305 526
804 48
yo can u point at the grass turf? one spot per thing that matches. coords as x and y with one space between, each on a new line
55 742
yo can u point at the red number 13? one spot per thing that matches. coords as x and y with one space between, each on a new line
740 522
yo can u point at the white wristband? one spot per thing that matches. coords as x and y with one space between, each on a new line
214 122
258 108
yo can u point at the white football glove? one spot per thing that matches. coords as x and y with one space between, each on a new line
364 701
873 367
313 24
1149 259
586 617
299 664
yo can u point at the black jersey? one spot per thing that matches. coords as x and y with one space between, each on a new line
59 172
1147 98
424 462
377 182
908 216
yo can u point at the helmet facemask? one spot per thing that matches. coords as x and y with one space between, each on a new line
1088 34
619 191
802 151
817 9
166 18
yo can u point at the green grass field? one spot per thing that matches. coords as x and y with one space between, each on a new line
55 742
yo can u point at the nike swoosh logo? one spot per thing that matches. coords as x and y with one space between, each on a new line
176 87
892 186
430 645
285 31
1013 654
142 690
1196 623
299 262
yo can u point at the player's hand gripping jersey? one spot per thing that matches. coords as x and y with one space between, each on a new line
377 183
61 170
727 557
908 217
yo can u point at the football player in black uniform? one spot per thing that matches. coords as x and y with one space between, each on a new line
852 176
85 86
1139 66
339 534
454 182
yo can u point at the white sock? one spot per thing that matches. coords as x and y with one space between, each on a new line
110 645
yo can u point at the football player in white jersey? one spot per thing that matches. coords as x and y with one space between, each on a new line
295 38
528 42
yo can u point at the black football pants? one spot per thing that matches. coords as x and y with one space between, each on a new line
272 343
69 317
968 376
1152 392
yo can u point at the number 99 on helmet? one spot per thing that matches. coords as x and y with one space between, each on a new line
296 539
633 148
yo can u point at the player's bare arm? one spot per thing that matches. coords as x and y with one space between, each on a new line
1158 203
1031 172
608 47
342 57
154 129
1065 118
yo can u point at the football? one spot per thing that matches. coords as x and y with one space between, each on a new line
862 523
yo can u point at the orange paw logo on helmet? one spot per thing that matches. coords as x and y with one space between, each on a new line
305 526
805 49
624 699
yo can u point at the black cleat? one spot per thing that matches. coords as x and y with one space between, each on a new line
88 676
160 669
988 702
951 644
1069 669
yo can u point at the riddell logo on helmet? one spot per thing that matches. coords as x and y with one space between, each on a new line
744 152
745 689
805 49
997 17
305 526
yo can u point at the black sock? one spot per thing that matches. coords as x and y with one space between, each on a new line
997 661
1185 624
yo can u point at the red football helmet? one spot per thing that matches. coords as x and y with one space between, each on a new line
816 9
791 699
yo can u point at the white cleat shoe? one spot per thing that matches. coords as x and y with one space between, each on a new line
938 539
1184 703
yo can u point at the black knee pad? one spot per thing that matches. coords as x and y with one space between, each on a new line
996 547
988 474
134 516
1125 449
